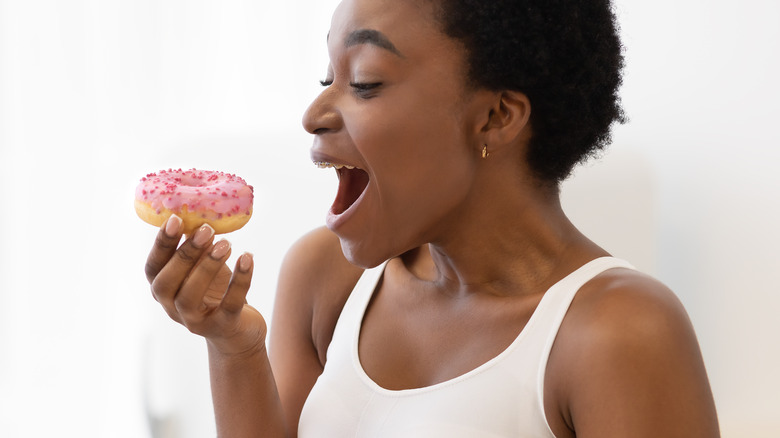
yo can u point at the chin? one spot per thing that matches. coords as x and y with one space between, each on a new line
362 255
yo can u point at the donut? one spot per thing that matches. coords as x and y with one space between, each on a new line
222 200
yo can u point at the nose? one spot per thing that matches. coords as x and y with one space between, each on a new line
322 116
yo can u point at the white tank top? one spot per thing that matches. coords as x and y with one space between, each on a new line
501 398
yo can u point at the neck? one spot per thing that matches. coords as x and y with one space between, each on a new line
507 242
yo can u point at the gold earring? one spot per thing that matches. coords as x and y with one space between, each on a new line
485 152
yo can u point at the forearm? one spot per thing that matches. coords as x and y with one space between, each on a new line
246 400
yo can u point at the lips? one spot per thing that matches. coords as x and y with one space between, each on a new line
352 183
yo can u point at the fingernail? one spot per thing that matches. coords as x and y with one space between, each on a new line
203 235
220 250
245 262
173 226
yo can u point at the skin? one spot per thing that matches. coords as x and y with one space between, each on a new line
474 243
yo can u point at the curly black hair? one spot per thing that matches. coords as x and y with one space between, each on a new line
565 55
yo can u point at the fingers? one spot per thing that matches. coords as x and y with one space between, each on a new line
189 301
164 247
169 279
192 282
235 297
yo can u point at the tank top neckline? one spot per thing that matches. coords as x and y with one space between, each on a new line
377 273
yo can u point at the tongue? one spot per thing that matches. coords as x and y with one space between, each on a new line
352 182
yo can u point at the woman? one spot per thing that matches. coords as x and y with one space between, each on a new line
449 295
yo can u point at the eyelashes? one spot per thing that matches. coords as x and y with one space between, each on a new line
364 86
361 89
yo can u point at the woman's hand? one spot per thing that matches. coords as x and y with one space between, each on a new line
198 290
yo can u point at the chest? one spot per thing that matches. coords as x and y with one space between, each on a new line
414 338
409 368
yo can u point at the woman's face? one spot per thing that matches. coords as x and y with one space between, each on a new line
395 107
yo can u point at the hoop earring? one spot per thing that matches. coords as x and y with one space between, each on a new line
485 152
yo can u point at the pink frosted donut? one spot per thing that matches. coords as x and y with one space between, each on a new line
198 197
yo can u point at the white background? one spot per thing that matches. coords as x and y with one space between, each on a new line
96 93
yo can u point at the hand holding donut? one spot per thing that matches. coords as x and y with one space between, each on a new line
192 282
198 290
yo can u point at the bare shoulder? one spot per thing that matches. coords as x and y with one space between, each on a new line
626 362
314 283
624 299
315 257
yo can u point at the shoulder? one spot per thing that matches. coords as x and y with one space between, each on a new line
625 304
626 356
316 254
315 280
314 268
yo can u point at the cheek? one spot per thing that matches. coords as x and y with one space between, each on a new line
410 132
422 166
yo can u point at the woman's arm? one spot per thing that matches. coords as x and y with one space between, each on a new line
252 394
197 289
246 400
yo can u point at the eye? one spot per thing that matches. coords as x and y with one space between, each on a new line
365 90
326 82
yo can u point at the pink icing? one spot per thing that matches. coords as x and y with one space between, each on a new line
207 192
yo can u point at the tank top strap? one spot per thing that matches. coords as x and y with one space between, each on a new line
351 317
559 296
556 302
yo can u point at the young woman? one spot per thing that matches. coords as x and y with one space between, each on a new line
449 295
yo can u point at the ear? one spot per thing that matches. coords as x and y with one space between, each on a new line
507 121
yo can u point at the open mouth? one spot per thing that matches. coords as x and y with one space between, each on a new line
352 183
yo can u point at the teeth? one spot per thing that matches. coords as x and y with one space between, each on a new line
325 165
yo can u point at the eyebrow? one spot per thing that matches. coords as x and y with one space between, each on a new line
373 37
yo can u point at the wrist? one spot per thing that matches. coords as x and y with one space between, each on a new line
227 351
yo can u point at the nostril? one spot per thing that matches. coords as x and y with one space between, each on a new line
322 116
321 122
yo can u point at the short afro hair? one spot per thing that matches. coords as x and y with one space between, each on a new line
565 55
